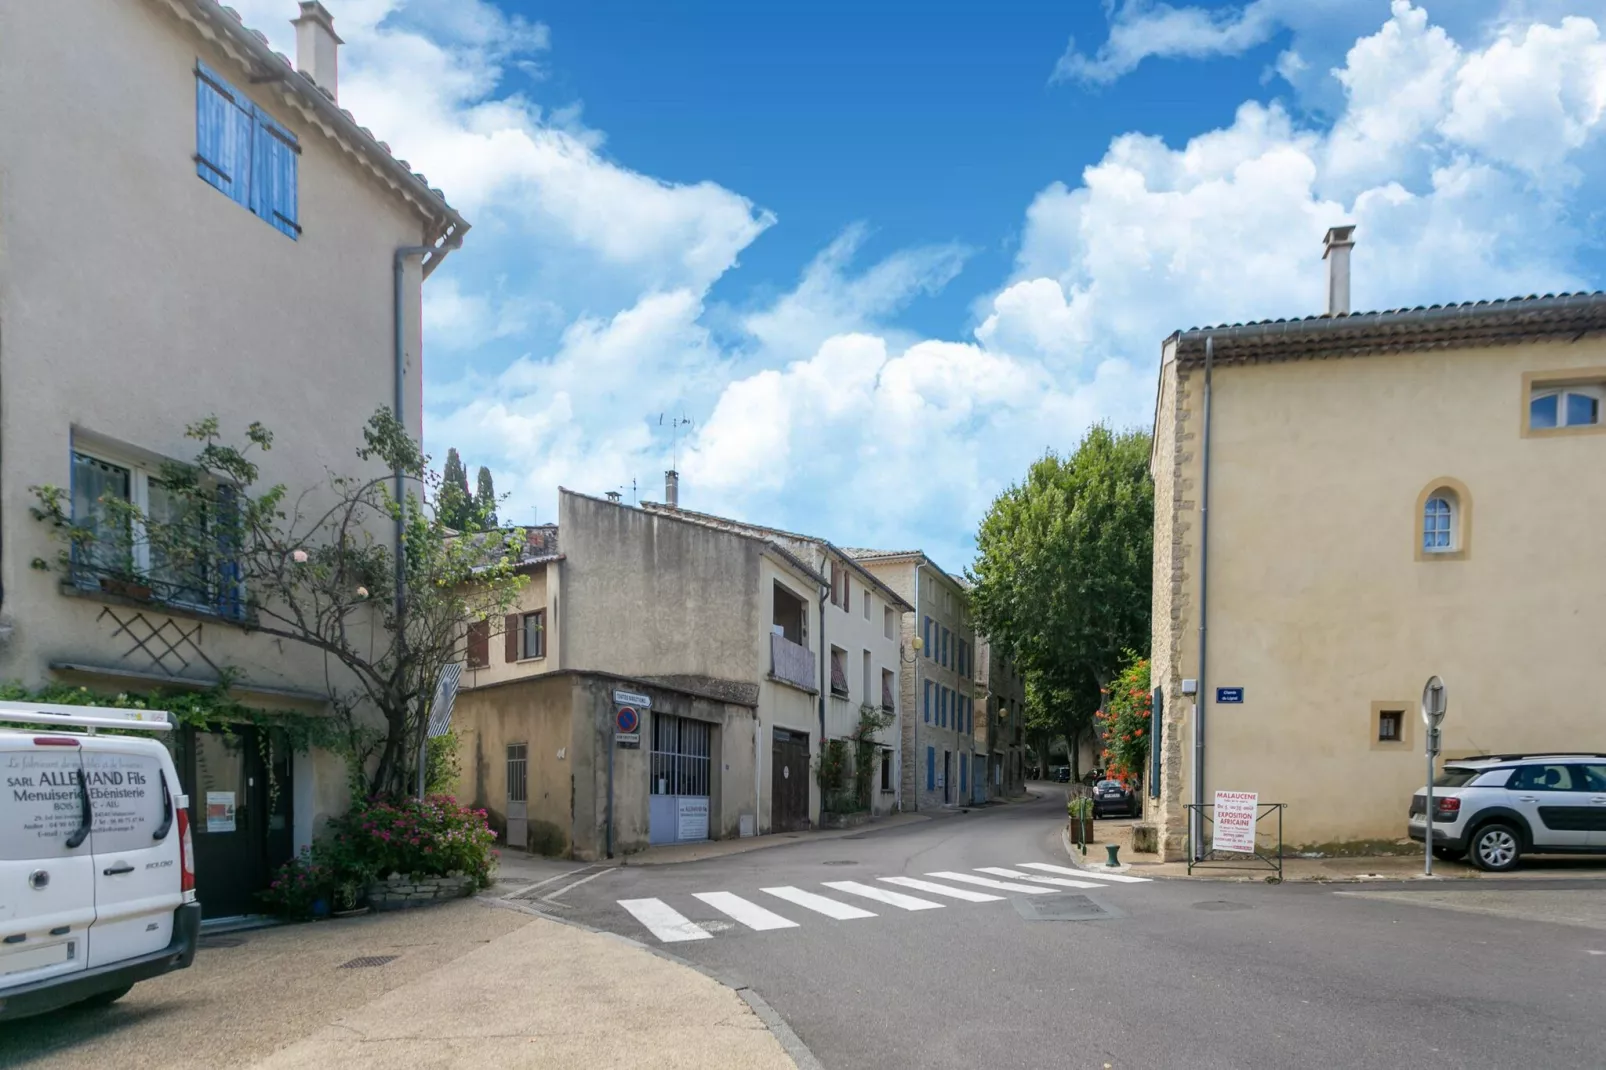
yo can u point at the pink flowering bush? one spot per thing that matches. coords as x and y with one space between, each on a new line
437 837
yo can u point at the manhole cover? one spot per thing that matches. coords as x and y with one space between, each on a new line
841 862
365 961
1067 907
210 942
1221 904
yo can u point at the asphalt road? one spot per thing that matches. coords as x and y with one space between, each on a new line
1168 974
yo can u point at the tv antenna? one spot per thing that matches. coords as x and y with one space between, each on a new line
676 424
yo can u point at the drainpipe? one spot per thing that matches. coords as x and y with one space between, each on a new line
1196 830
825 654
399 264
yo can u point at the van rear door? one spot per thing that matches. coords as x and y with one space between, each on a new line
137 867
47 876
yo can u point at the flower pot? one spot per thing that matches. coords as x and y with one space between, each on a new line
126 588
320 908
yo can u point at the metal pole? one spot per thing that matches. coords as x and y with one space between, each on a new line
612 746
1427 835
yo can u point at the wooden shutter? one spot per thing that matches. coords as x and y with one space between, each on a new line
223 135
479 644
273 193
510 628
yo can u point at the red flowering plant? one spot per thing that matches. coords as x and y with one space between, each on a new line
436 837
297 885
1124 722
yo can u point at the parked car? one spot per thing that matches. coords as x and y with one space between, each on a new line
1494 809
1062 775
1111 797
97 872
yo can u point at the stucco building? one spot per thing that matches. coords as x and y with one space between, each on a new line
941 759
1348 504
720 628
191 226
1001 733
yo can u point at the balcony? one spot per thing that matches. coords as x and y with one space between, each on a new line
793 664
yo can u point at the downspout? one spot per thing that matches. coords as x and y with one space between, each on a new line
1196 830
399 263
825 654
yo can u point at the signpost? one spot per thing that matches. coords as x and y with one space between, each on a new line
1235 817
1434 700
627 709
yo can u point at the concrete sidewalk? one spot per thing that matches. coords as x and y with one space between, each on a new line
670 854
547 995
1358 869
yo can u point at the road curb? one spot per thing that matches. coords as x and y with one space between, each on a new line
790 1042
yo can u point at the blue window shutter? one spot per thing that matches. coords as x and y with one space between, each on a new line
962 764
929 652
274 175
223 135
928 702
931 768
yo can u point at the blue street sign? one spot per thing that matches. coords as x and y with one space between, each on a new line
1229 694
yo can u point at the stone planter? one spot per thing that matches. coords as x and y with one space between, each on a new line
401 893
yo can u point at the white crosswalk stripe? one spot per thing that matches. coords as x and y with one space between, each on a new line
988 882
1095 874
664 921
964 894
1062 882
819 903
881 895
998 883
748 913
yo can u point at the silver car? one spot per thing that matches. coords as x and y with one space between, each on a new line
1496 808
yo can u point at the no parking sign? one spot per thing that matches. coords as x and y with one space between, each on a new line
627 717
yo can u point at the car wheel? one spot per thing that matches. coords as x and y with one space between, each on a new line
1496 848
1449 854
106 998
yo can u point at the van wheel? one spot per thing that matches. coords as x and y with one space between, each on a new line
1496 848
106 998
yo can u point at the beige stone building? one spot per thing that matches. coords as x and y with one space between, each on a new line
941 759
1348 504
191 226
1001 733
719 628
861 621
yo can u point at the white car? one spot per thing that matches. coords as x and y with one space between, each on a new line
1496 808
97 872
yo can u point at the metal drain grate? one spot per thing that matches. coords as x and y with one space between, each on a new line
365 961
1069 907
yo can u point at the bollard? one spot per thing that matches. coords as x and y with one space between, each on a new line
1112 848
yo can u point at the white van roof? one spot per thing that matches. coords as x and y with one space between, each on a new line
44 713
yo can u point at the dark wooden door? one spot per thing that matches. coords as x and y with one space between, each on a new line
789 784
239 789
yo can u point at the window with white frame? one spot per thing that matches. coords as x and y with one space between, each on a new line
1440 522
1577 405
123 558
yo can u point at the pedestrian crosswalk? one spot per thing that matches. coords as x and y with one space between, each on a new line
988 884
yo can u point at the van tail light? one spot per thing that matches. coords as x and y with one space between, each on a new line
54 741
1446 809
186 850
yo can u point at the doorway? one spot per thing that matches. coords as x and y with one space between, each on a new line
682 779
789 782
238 779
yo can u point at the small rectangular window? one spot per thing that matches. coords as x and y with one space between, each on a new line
245 153
886 770
1390 725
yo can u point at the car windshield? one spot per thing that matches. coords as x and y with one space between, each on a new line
1455 778
1110 785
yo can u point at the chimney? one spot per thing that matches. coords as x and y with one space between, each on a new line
672 489
1340 240
317 47
615 497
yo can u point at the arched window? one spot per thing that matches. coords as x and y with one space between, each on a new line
1439 527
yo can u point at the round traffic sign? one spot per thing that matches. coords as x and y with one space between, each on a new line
628 719
1434 700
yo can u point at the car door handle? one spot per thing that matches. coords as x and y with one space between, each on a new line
118 870
1527 798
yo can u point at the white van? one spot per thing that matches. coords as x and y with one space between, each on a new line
97 872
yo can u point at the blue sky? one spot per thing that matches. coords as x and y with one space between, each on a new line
883 255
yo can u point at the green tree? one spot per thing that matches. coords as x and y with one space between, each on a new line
454 503
317 568
485 501
1062 577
